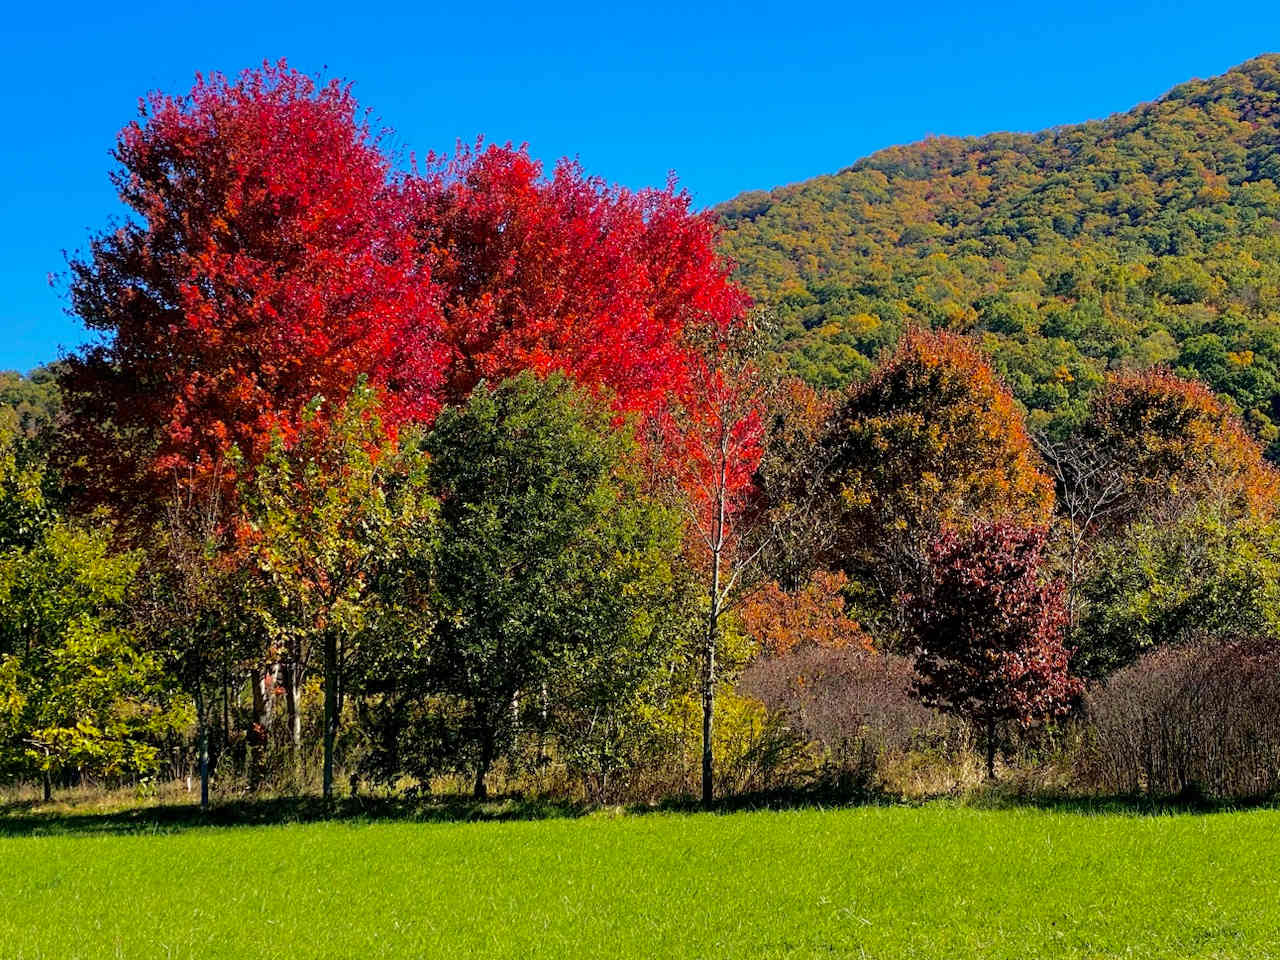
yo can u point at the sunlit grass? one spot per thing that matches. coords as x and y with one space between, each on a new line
936 881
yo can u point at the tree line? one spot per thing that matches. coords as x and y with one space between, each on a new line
405 475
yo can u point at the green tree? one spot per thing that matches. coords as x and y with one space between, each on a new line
1205 573
322 514
78 694
190 612
25 509
551 570
32 402
602 694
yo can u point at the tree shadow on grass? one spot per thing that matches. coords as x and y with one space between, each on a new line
994 798
1189 802
26 819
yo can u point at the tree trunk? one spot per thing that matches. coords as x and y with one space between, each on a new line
543 706
330 709
709 684
717 544
48 785
202 732
264 685
515 724
226 704
292 698
485 761
991 749
204 767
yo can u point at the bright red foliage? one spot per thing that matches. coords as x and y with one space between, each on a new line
989 628
567 273
266 264
275 257
713 435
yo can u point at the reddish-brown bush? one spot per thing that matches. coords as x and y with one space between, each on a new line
855 704
1198 718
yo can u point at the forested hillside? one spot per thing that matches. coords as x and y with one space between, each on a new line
33 399
1152 236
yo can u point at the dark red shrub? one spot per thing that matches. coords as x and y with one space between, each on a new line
989 629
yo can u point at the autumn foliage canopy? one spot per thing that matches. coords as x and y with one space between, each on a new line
934 438
566 273
276 255
1171 441
263 267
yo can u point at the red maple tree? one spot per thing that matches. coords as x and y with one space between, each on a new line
566 273
266 263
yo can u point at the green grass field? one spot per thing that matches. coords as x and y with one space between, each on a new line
886 882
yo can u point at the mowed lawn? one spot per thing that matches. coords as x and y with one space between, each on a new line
882 882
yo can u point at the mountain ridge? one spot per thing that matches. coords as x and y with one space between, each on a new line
1149 236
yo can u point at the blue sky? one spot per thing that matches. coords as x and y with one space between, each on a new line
730 97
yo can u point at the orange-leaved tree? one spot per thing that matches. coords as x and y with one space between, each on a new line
932 439
814 614
1168 441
